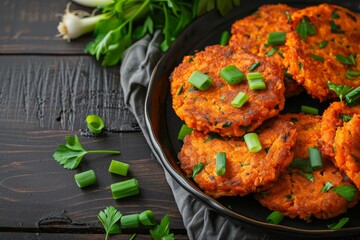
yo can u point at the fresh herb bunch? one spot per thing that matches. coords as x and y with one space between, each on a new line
121 22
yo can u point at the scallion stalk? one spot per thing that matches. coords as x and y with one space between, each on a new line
252 141
348 192
95 123
275 217
353 96
220 163
85 179
125 188
239 100
276 38
256 81
130 221
315 158
147 218
254 66
309 110
184 130
231 74
224 40
200 80
118 168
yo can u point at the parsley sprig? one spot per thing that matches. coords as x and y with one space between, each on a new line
71 154
162 231
109 218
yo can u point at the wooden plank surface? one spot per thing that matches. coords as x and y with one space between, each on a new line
47 88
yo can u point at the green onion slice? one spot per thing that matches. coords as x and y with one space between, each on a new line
95 123
350 74
197 168
276 38
271 52
252 142
308 175
315 158
309 110
323 44
349 60
220 163
130 221
200 80
125 188
147 218
316 57
256 81
339 224
288 16
353 95
180 90
184 130
346 191
275 217
302 163
85 179
327 186
118 168
254 66
231 74
239 100
224 40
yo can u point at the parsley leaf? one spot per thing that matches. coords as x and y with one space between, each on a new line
162 231
109 218
340 90
71 154
304 28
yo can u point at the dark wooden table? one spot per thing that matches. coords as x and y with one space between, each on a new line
47 88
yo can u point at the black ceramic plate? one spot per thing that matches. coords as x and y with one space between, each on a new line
163 124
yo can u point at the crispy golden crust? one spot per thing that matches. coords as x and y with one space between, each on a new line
211 110
331 121
293 194
251 34
347 145
314 74
245 172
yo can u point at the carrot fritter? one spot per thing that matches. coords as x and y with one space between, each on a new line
312 61
251 34
333 118
296 196
211 110
347 149
246 172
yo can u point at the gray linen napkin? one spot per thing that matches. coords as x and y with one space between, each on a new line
200 222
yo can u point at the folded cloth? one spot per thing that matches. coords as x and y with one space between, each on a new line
200 221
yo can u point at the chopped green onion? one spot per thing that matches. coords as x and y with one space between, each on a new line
226 124
334 14
315 158
275 217
213 136
224 40
346 191
94 123
197 168
271 52
339 224
252 141
323 44
288 16
231 74
239 100
349 60
309 110
184 130
254 66
276 38
200 80
256 81
350 74
180 90
125 188
280 54
147 218
130 221
308 175
85 179
220 163
335 28
353 95
118 168
345 117
316 57
327 187
286 74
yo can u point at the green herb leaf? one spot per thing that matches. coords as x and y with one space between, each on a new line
308 175
340 90
302 163
346 191
334 14
162 231
349 60
304 28
224 6
345 117
71 154
323 44
197 168
350 74
109 219
335 28
339 224
316 57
